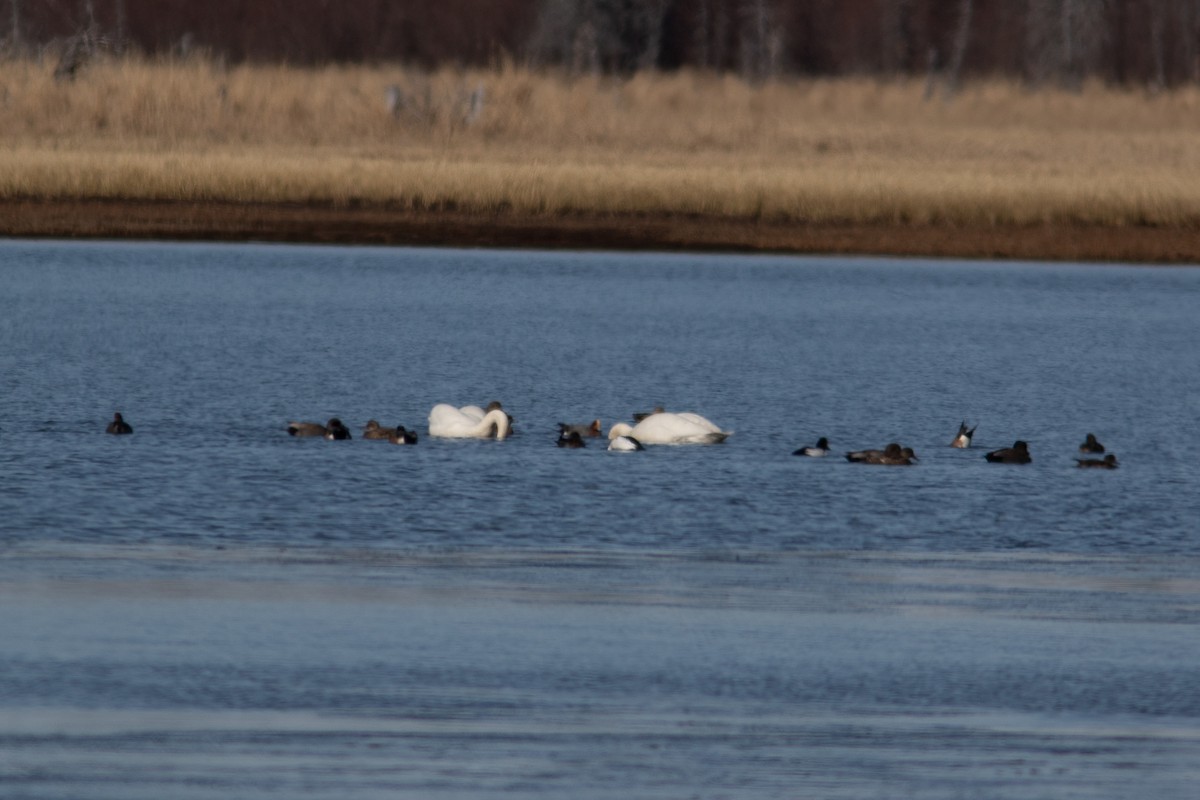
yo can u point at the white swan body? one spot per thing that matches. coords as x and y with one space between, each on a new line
669 428
468 422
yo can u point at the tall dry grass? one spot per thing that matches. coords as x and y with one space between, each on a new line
854 150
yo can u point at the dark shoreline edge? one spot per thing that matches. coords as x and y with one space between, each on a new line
376 225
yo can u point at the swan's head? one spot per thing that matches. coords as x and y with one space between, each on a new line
619 429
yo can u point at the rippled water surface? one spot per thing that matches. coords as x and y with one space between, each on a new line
210 608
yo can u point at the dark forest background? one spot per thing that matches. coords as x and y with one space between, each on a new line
1154 42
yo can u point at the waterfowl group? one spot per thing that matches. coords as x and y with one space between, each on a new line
896 455
656 427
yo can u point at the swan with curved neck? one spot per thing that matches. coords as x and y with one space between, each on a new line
669 428
468 422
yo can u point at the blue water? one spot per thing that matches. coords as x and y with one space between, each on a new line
210 608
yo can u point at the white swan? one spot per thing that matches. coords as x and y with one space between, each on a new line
468 422
669 428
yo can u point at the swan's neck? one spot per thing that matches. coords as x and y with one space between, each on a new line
619 429
495 422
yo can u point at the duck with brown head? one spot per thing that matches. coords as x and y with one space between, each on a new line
1108 462
376 432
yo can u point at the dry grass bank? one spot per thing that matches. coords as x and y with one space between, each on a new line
845 152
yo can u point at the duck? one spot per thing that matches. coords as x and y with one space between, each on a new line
1017 454
334 429
891 456
570 439
669 428
469 422
818 450
625 444
401 435
1090 445
118 425
963 439
373 430
591 429
1108 462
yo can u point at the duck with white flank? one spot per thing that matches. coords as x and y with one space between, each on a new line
818 450
401 435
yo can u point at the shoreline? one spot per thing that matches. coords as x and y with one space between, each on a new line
365 224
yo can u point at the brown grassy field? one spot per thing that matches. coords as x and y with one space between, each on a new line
195 150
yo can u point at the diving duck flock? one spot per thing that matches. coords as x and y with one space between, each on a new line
655 427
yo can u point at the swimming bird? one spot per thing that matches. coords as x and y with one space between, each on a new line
118 425
334 429
1108 462
891 456
1090 445
591 429
625 444
373 430
401 435
821 448
570 439
469 422
667 428
963 439
1017 454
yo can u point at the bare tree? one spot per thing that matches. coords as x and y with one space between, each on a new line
759 43
893 33
1064 39
17 45
962 36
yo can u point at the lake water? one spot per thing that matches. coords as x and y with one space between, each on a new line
210 608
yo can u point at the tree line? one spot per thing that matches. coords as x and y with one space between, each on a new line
1154 42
